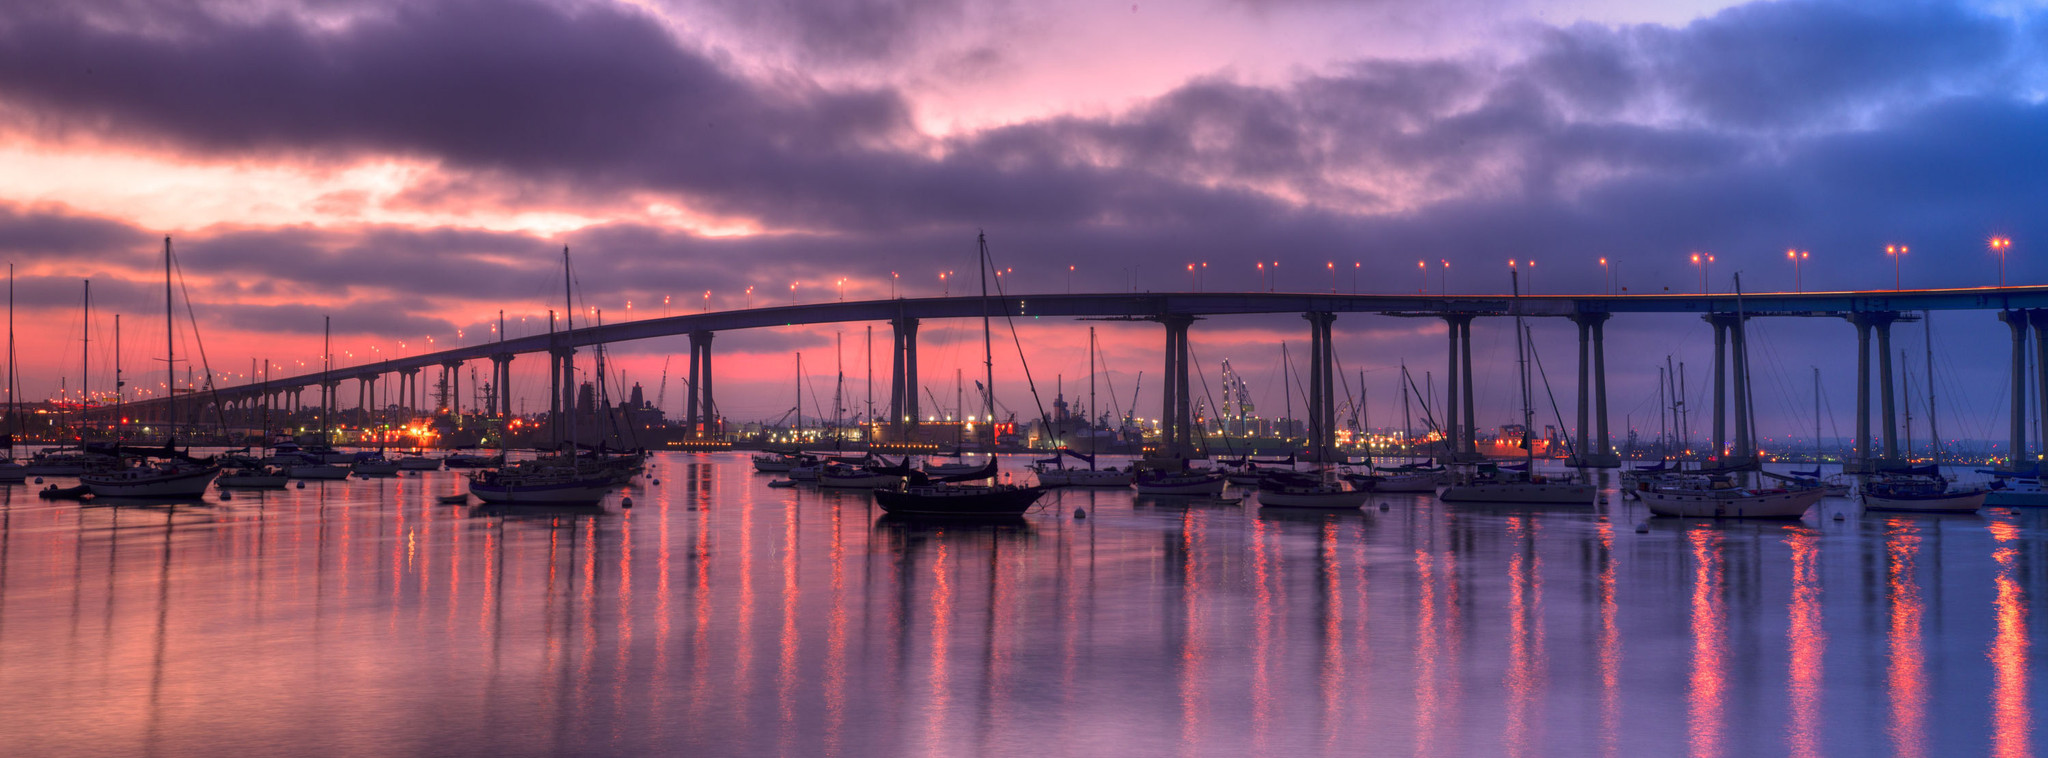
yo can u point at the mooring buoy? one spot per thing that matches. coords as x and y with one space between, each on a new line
1642 527
626 502
1080 513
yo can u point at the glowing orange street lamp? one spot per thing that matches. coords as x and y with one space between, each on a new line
1608 274
792 293
1999 245
1702 262
1333 276
1896 252
750 297
1797 257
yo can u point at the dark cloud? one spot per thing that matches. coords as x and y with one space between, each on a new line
849 30
30 233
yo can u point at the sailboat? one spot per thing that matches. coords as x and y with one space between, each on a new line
556 481
1922 488
1292 489
11 470
1524 486
1407 477
950 495
1719 494
173 475
1054 471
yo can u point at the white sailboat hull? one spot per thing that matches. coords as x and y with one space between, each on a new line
1705 504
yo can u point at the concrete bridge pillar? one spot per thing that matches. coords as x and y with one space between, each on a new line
903 386
1175 436
1595 448
1731 373
1880 323
1322 399
408 391
501 385
563 391
2038 318
700 416
1459 426
451 382
366 396
2016 456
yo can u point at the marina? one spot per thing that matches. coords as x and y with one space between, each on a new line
718 616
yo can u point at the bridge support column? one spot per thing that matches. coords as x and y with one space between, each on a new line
2039 319
1731 374
904 414
1884 370
2016 458
1175 437
700 416
1322 399
1459 425
1879 322
1595 448
451 383
408 392
1862 462
501 385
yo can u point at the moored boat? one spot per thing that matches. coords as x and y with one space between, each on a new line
552 485
1189 482
170 479
1718 497
1914 492
266 477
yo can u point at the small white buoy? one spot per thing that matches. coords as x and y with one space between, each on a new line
1384 506
1838 517
626 502
1642 527
39 480
226 495
302 485
1080 513
657 482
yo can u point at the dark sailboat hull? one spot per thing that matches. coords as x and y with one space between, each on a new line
977 501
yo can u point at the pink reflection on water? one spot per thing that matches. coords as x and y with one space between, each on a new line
1707 685
2011 722
835 641
1332 674
937 741
1264 574
1807 641
1610 648
789 641
1907 677
1524 680
1192 639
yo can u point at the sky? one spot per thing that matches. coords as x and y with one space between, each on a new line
408 170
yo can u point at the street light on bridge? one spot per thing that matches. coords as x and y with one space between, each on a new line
1333 277
1999 245
1701 262
1797 257
1896 252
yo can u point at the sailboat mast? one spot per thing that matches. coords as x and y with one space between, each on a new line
1522 362
1816 414
1407 426
568 358
1091 400
170 340
85 355
988 360
797 431
120 424
1906 382
1287 391
1933 437
326 353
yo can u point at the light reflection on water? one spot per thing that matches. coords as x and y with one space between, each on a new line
720 617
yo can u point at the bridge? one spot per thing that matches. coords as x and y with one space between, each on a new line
2023 309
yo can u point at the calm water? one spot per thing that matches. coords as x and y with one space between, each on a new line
722 617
